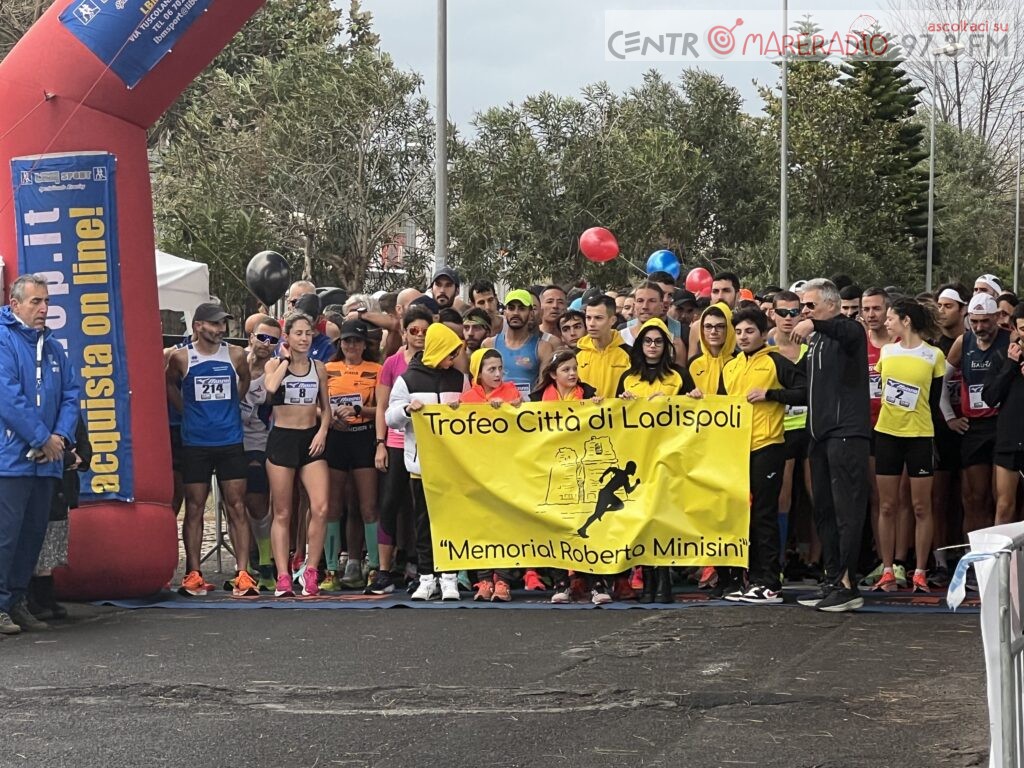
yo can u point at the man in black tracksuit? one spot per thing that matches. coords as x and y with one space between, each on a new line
839 424
1004 385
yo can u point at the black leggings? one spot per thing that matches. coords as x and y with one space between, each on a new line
424 540
395 497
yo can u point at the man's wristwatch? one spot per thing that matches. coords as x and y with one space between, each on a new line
381 441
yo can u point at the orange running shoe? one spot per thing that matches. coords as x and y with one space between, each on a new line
245 585
532 581
636 579
193 585
887 583
920 582
502 594
708 578
484 590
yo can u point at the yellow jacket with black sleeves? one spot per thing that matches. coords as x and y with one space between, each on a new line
784 384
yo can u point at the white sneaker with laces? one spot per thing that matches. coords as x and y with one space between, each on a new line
450 587
563 594
427 590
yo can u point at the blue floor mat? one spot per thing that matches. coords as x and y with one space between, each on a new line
873 603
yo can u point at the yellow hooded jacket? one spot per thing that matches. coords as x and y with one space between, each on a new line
784 384
705 368
672 384
602 368
440 342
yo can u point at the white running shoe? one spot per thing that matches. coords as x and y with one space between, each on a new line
427 590
450 587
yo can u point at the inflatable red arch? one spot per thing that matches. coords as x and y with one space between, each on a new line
61 93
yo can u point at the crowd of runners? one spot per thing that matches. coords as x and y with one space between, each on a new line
885 426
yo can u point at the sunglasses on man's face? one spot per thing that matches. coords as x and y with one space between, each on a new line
266 338
811 305
414 331
788 312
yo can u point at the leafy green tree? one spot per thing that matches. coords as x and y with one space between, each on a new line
665 165
323 140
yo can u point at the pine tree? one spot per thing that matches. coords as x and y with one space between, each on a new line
894 104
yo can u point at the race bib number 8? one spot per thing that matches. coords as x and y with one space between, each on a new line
300 392
900 395
209 388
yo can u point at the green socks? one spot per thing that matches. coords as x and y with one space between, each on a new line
372 552
332 545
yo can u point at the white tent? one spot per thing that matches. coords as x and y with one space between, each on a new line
183 284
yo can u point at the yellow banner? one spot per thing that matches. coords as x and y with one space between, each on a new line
593 488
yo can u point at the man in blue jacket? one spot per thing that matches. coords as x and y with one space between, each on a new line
39 390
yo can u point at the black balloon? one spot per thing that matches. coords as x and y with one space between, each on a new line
268 276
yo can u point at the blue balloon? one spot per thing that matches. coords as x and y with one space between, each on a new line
663 261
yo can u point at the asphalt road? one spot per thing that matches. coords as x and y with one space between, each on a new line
758 686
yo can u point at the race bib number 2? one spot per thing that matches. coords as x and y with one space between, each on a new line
900 395
209 388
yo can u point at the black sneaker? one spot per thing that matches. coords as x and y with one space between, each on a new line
811 600
7 625
21 616
757 595
939 577
840 600
382 584
725 587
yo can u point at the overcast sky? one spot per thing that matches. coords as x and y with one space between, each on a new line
502 50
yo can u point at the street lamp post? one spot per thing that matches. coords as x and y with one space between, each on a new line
953 49
784 158
1016 220
441 141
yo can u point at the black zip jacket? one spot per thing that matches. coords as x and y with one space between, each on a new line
837 380
1004 384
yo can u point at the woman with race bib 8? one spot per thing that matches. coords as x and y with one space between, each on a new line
297 389
911 380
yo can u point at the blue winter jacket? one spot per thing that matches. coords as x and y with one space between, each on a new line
23 424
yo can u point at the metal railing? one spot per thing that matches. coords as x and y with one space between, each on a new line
1011 654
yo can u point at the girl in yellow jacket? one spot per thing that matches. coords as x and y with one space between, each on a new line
653 373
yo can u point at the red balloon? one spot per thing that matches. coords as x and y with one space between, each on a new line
699 280
598 244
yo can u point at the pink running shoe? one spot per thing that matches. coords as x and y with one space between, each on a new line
310 585
284 586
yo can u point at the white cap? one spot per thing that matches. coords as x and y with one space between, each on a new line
952 295
798 286
983 304
990 281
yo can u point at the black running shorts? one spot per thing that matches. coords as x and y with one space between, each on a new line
892 454
199 462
